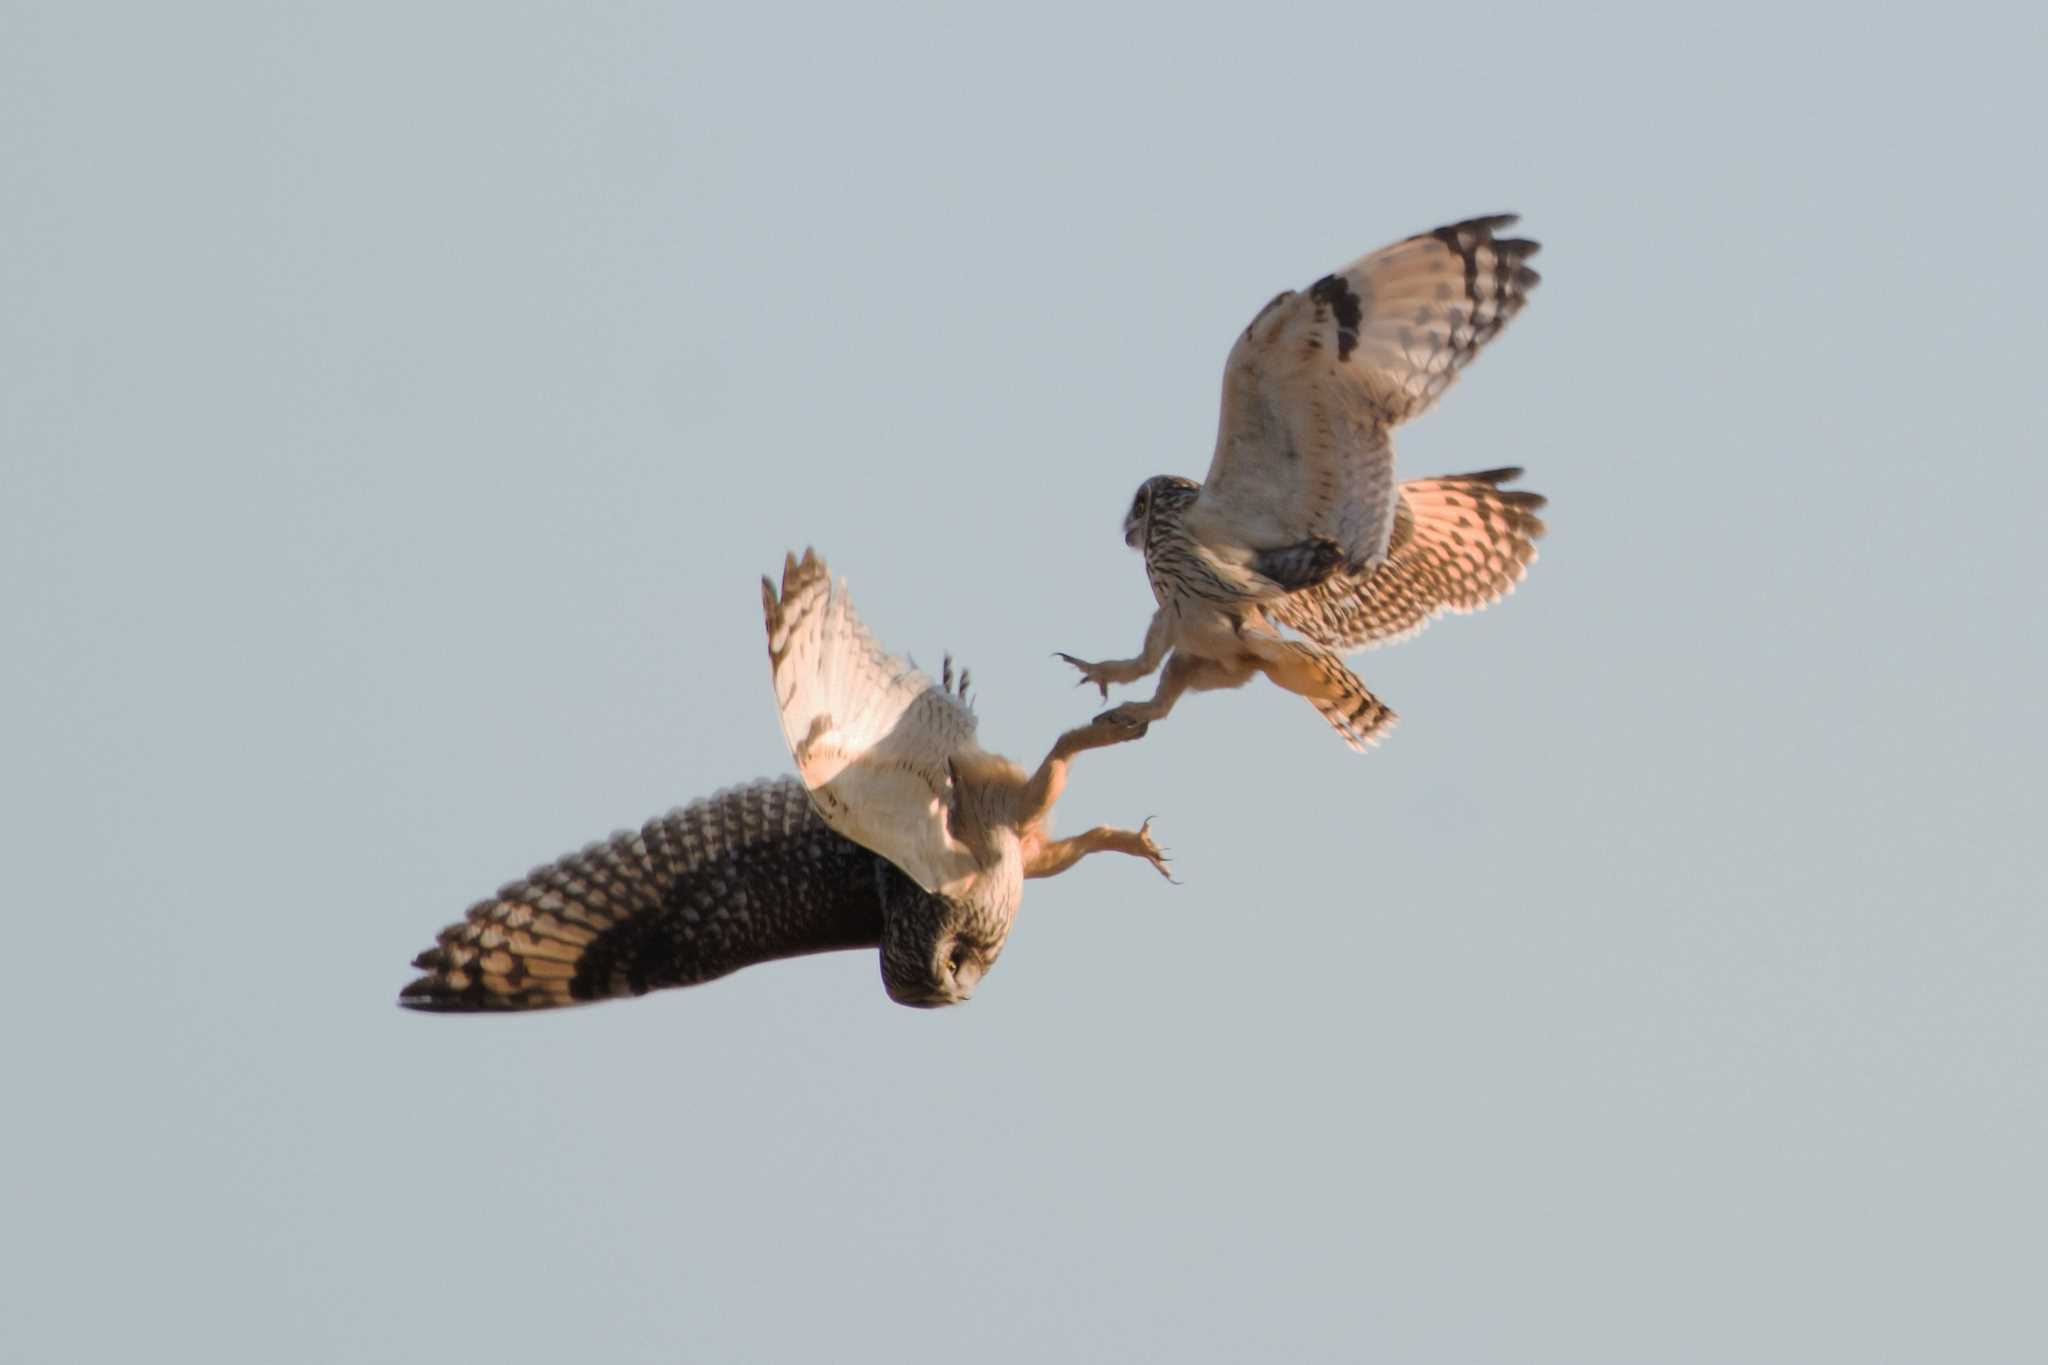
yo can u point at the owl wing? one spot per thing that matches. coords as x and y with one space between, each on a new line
874 739
1320 378
1460 542
748 875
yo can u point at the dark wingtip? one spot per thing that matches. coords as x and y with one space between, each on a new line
431 995
1485 222
1510 250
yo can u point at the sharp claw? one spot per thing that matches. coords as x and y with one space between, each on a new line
1154 854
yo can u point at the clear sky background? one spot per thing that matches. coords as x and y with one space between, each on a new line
398 404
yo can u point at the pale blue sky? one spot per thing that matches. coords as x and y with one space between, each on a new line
398 404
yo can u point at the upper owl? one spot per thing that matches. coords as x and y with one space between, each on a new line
1300 521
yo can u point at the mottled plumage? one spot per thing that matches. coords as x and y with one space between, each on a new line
1460 542
900 833
891 761
748 875
1300 524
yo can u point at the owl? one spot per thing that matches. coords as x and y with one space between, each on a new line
1300 525
900 833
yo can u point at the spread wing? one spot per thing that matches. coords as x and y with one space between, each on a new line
1314 387
1460 542
874 739
745 876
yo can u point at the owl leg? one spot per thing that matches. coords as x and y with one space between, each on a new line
1184 673
1334 690
1043 790
1051 857
1157 637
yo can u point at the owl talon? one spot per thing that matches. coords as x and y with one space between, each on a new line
1152 852
1118 729
1099 674
1136 715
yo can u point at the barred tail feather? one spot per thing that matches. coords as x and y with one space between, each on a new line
1335 691
1362 719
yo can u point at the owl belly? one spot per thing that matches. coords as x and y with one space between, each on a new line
1213 631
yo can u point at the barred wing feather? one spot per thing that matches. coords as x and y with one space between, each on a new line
1317 382
873 737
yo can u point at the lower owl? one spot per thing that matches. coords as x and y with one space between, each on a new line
900 833
749 875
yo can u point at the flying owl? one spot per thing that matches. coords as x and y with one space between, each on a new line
1300 524
901 834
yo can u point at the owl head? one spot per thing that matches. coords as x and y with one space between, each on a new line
936 949
1160 494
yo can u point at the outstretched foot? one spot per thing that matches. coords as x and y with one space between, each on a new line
1096 734
1132 717
1151 852
1049 858
1104 673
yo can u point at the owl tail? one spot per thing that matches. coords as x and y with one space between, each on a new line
1334 690
1354 713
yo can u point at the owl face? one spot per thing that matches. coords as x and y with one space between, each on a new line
961 958
1161 493
1134 520
935 949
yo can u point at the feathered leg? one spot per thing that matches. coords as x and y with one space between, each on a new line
1043 790
1126 670
1052 857
1184 673
1045 857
